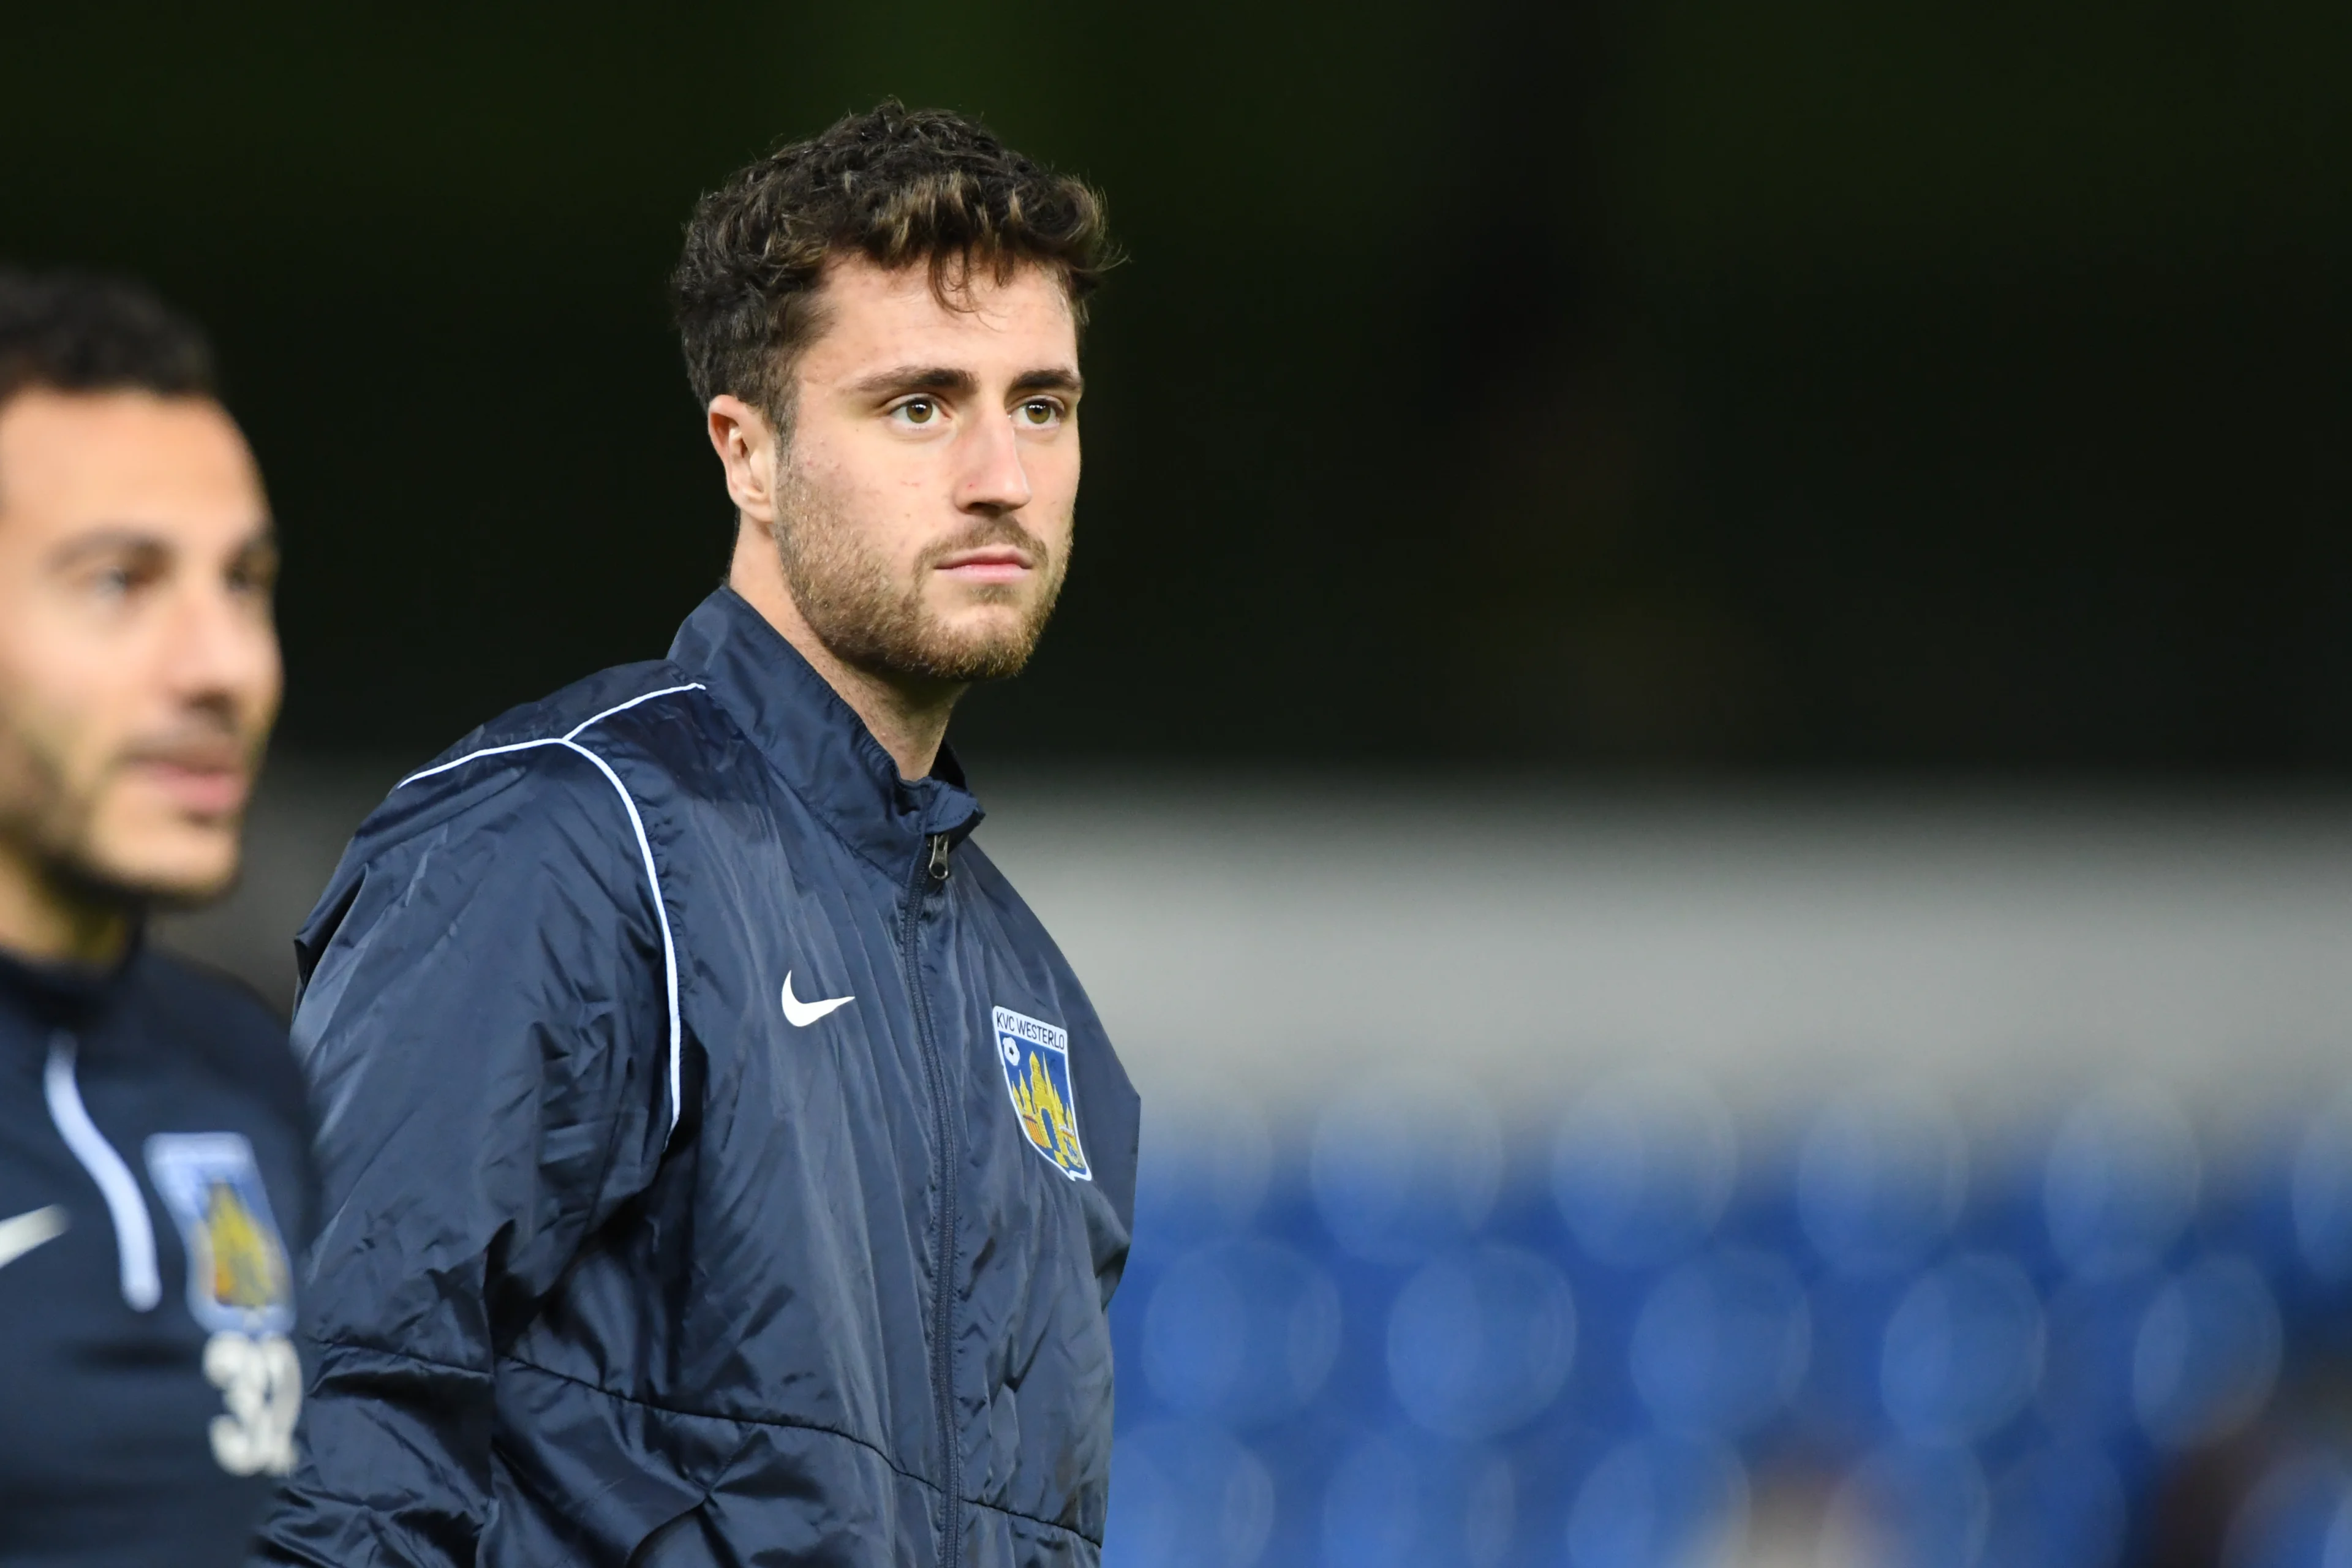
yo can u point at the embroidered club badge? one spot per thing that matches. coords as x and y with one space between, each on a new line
1035 1057
238 1278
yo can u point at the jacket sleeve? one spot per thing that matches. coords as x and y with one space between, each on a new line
485 1023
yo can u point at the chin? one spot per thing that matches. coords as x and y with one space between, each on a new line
983 636
990 646
180 870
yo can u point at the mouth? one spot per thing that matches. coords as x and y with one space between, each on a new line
205 781
989 564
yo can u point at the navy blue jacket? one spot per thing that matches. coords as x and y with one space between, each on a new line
722 1164
155 1189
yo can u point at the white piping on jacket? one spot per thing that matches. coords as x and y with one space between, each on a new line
126 1205
571 734
645 849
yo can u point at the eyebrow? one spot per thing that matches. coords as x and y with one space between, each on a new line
132 539
1053 380
905 378
899 380
121 539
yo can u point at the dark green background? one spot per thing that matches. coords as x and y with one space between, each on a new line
1826 387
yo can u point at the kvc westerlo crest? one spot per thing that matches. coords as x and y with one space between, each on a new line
240 1279
1035 1057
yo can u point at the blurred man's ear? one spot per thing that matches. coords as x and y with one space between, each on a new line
746 443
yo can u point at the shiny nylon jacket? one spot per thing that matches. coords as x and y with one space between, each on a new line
622 1264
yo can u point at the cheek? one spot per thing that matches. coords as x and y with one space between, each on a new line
263 692
868 499
896 524
71 707
1056 482
50 752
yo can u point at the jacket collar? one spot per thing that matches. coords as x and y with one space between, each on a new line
817 741
68 995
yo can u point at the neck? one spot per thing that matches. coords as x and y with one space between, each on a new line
909 718
45 919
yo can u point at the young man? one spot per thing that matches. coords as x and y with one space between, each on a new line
153 1173
722 1165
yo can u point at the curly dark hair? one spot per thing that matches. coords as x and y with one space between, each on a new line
78 332
898 186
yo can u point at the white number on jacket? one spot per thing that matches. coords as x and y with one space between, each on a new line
260 1382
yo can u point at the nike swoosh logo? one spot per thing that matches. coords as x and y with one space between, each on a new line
800 1014
26 1231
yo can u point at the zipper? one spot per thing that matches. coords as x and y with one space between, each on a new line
126 1205
932 867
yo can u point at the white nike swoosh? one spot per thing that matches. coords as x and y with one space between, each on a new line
800 1014
26 1231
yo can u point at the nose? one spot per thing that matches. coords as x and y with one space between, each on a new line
994 480
221 654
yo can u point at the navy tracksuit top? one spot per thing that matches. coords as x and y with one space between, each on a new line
722 1164
155 1191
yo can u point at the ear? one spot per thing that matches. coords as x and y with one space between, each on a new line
746 446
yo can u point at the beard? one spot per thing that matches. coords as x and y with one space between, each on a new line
49 827
883 626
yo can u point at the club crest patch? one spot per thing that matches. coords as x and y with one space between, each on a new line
1035 1057
238 1276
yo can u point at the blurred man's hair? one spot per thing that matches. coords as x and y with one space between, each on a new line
901 187
76 331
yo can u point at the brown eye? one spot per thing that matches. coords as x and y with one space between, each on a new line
120 580
256 576
1040 412
919 411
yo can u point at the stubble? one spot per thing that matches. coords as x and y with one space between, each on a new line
871 621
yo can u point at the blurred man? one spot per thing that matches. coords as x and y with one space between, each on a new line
723 1164
152 1136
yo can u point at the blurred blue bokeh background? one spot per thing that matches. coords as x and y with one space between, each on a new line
1402 1336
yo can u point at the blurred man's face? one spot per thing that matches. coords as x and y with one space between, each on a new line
139 666
925 497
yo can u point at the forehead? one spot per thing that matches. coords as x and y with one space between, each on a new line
122 457
875 316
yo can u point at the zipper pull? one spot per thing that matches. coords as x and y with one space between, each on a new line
939 857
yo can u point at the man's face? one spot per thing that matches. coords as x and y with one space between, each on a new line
925 497
139 668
